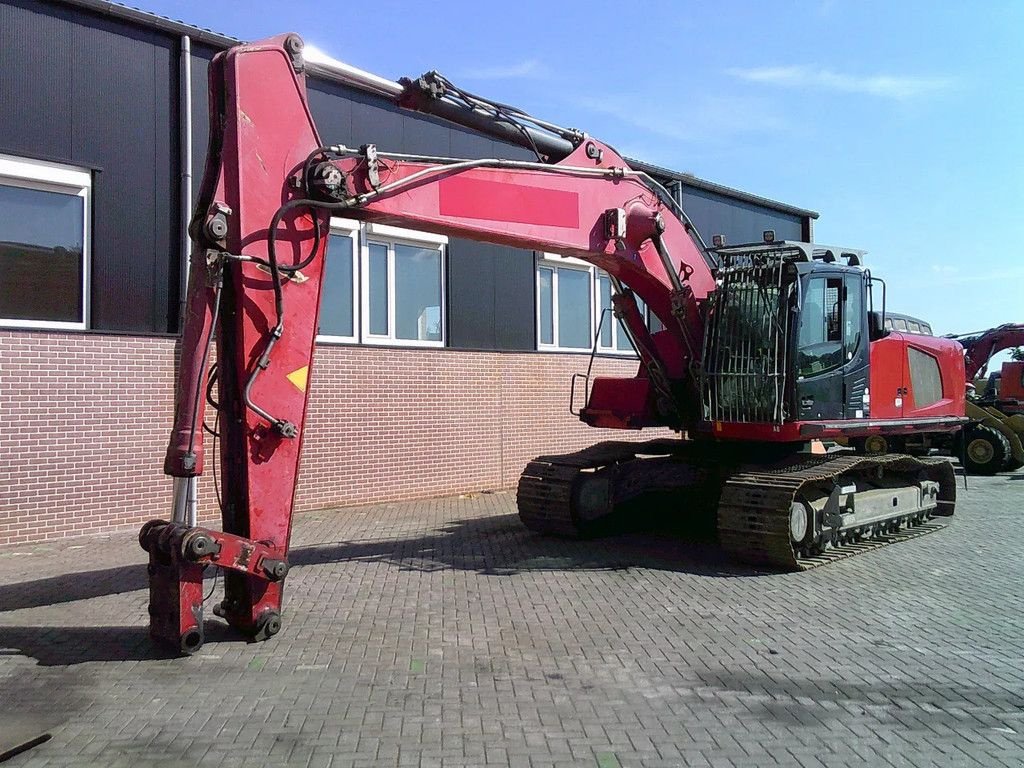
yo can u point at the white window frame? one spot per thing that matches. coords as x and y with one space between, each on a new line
555 262
345 228
67 180
616 327
382 234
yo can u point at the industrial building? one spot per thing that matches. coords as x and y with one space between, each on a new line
443 364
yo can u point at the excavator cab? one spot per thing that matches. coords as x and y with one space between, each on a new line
787 336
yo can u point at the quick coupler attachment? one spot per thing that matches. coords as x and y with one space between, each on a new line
178 556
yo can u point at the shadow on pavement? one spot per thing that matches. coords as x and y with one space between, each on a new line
65 646
69 587
490 545
501 546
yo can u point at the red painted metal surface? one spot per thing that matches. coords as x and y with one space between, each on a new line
888 376
1011 381
954 379
467 198
979 348
892 386
261 132
800 431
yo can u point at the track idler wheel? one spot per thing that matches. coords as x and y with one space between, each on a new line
802 530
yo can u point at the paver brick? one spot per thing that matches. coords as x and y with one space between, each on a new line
442 633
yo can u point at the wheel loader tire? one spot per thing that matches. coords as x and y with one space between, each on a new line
986 450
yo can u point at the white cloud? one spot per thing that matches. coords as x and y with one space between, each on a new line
530 69
991 276
898 87
945 269
708 118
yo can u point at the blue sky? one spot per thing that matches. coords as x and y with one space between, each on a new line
901 123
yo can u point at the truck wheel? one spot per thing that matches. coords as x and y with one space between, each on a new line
986 450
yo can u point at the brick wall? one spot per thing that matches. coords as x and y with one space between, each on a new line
84 420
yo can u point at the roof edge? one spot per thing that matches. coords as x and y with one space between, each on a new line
219 40
709 186
153 21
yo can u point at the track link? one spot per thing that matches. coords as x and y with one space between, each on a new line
547 495
754 509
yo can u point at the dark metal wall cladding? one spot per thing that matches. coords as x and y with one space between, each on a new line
740 221
490 288
88 91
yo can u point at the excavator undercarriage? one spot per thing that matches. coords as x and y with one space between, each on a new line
795 513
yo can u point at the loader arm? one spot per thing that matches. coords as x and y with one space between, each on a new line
259 235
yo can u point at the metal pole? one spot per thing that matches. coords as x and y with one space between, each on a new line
185 160
185 504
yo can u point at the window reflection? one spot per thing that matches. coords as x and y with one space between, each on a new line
41 247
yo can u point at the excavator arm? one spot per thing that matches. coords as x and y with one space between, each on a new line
979 348
259 235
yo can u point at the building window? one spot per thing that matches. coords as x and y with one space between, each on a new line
338 320
565 306
403 289
383 285
44 244
574 302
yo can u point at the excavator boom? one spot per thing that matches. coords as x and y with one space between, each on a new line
256 290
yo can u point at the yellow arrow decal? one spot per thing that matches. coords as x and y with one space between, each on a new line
300 378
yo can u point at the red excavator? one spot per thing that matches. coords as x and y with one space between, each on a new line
761 348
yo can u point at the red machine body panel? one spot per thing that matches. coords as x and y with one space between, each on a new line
1011 381
949 364
888 376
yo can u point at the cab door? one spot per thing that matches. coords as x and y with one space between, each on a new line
819 355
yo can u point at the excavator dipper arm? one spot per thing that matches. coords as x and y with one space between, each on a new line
259 235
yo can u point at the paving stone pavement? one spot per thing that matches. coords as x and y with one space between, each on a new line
442 633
